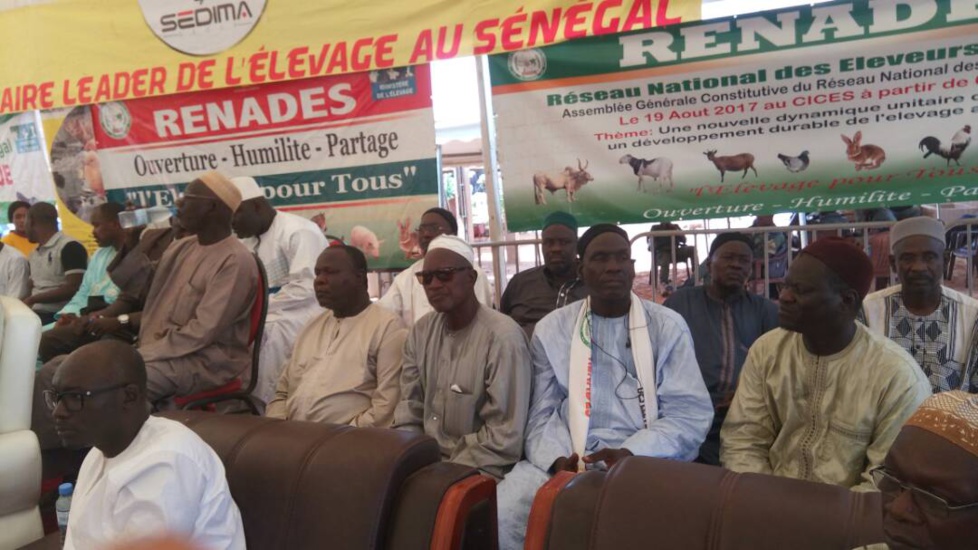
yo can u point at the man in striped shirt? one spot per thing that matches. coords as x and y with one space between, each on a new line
724 320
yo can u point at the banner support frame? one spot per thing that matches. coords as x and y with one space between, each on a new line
489 162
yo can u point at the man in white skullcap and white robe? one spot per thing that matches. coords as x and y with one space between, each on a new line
465 379
288 246
938 326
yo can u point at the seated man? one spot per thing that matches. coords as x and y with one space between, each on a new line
193 332
532 294
822 397
17 238
662 247
777 243
929 479
72 328
132 270
613 376
775 249
935 324
287 246
15 274
724 320
406 296
346 365
57 264
466 374
145 475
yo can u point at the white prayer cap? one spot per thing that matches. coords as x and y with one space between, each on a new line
248 186
454 244
921 225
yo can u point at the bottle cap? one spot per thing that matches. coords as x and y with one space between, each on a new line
66 489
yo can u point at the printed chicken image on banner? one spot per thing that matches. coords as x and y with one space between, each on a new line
354 153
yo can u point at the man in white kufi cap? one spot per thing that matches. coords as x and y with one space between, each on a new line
465 379
933 323
288 246
405 296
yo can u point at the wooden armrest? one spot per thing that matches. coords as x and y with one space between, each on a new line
538 526
455 508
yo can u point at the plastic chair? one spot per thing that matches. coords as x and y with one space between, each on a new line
962 248
206 400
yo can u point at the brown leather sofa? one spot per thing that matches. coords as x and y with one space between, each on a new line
306 485
648 502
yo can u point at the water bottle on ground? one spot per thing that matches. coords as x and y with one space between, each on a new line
62 506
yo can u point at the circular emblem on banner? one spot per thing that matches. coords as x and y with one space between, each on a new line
201 27
115 119
528 64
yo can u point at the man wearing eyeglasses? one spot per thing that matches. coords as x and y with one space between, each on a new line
406 297
532 294
613 376
144 475
929 479
193 330
465 380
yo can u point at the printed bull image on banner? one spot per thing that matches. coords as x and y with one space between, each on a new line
354 153
842 105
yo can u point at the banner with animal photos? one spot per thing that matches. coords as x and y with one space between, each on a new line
24 174
835 106
354 153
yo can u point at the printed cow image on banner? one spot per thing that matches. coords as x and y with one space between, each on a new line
354 153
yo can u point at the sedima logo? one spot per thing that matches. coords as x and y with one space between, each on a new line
201 27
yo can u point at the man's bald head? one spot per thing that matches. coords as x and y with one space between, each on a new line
101 390
109 362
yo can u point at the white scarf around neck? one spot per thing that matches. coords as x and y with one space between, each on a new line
579 378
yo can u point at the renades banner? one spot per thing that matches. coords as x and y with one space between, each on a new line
354 153
842 105
65 53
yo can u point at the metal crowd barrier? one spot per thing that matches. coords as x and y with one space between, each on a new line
965 243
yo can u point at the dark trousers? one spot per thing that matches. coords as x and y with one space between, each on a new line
66 339
46 317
